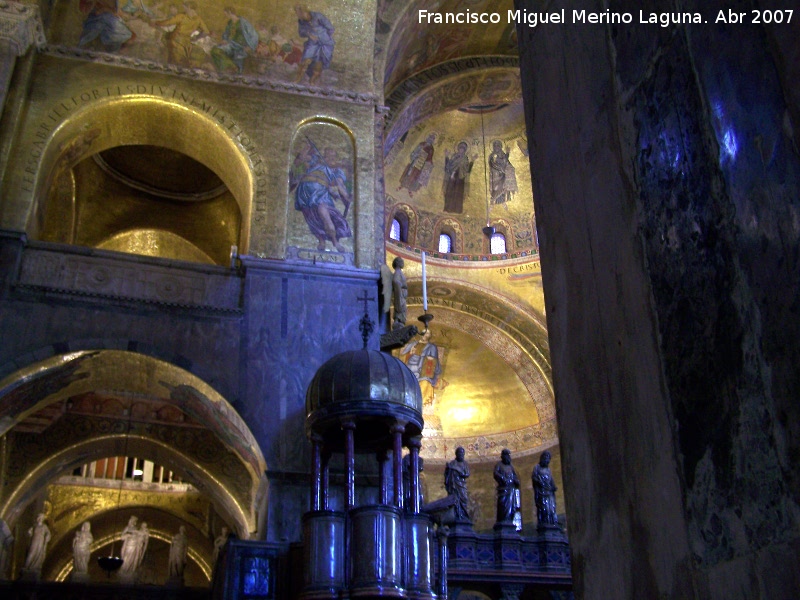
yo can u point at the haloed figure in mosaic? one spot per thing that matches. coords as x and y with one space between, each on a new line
420 164
457 167
318 181
502 175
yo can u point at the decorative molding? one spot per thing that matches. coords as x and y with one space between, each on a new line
21 26
203 75
129 280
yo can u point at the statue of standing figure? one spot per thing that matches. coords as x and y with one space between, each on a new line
219 544
134 546
40 537
399 294
544 489
508 496
81 551
177 555
456 473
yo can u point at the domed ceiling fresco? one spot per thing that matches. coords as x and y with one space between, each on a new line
461 169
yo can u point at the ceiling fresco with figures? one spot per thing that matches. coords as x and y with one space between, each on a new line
462 169
407 46
314 44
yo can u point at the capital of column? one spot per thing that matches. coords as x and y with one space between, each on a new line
348 424
415 443
21 26
398 427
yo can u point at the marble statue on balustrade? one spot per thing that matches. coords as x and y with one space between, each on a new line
6 546
399 294
134 546
508 495
81 551
178 551
456 473
544 490
219 544
40 537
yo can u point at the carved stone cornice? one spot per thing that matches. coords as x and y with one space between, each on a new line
21 26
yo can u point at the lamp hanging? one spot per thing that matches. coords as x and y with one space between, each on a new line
113 562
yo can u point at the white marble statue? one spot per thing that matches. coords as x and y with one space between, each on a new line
177 554
40 536
82 549
134 546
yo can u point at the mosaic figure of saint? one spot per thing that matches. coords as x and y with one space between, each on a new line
318 47
318 183
420 165
457 168
103 22
186 28
240 39
422 358
502 175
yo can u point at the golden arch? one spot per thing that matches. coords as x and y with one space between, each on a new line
148 120
28 390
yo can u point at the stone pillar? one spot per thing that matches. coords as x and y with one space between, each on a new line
397 431
668 152
20 28
350 463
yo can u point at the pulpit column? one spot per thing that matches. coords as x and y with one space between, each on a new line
383 483
397 431
413 476
349 428
316 472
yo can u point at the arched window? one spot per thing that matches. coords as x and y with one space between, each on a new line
394 231
445 243
398 230
497 244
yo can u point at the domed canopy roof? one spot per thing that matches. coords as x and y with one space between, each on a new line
363 386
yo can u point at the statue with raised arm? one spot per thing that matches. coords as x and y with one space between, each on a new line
544 490
40 537
456 473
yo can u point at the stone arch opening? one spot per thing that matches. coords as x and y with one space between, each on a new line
160 161
93 404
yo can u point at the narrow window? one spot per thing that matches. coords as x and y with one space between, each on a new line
394 232
445 243
498 244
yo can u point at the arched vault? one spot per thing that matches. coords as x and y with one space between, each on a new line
93 404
